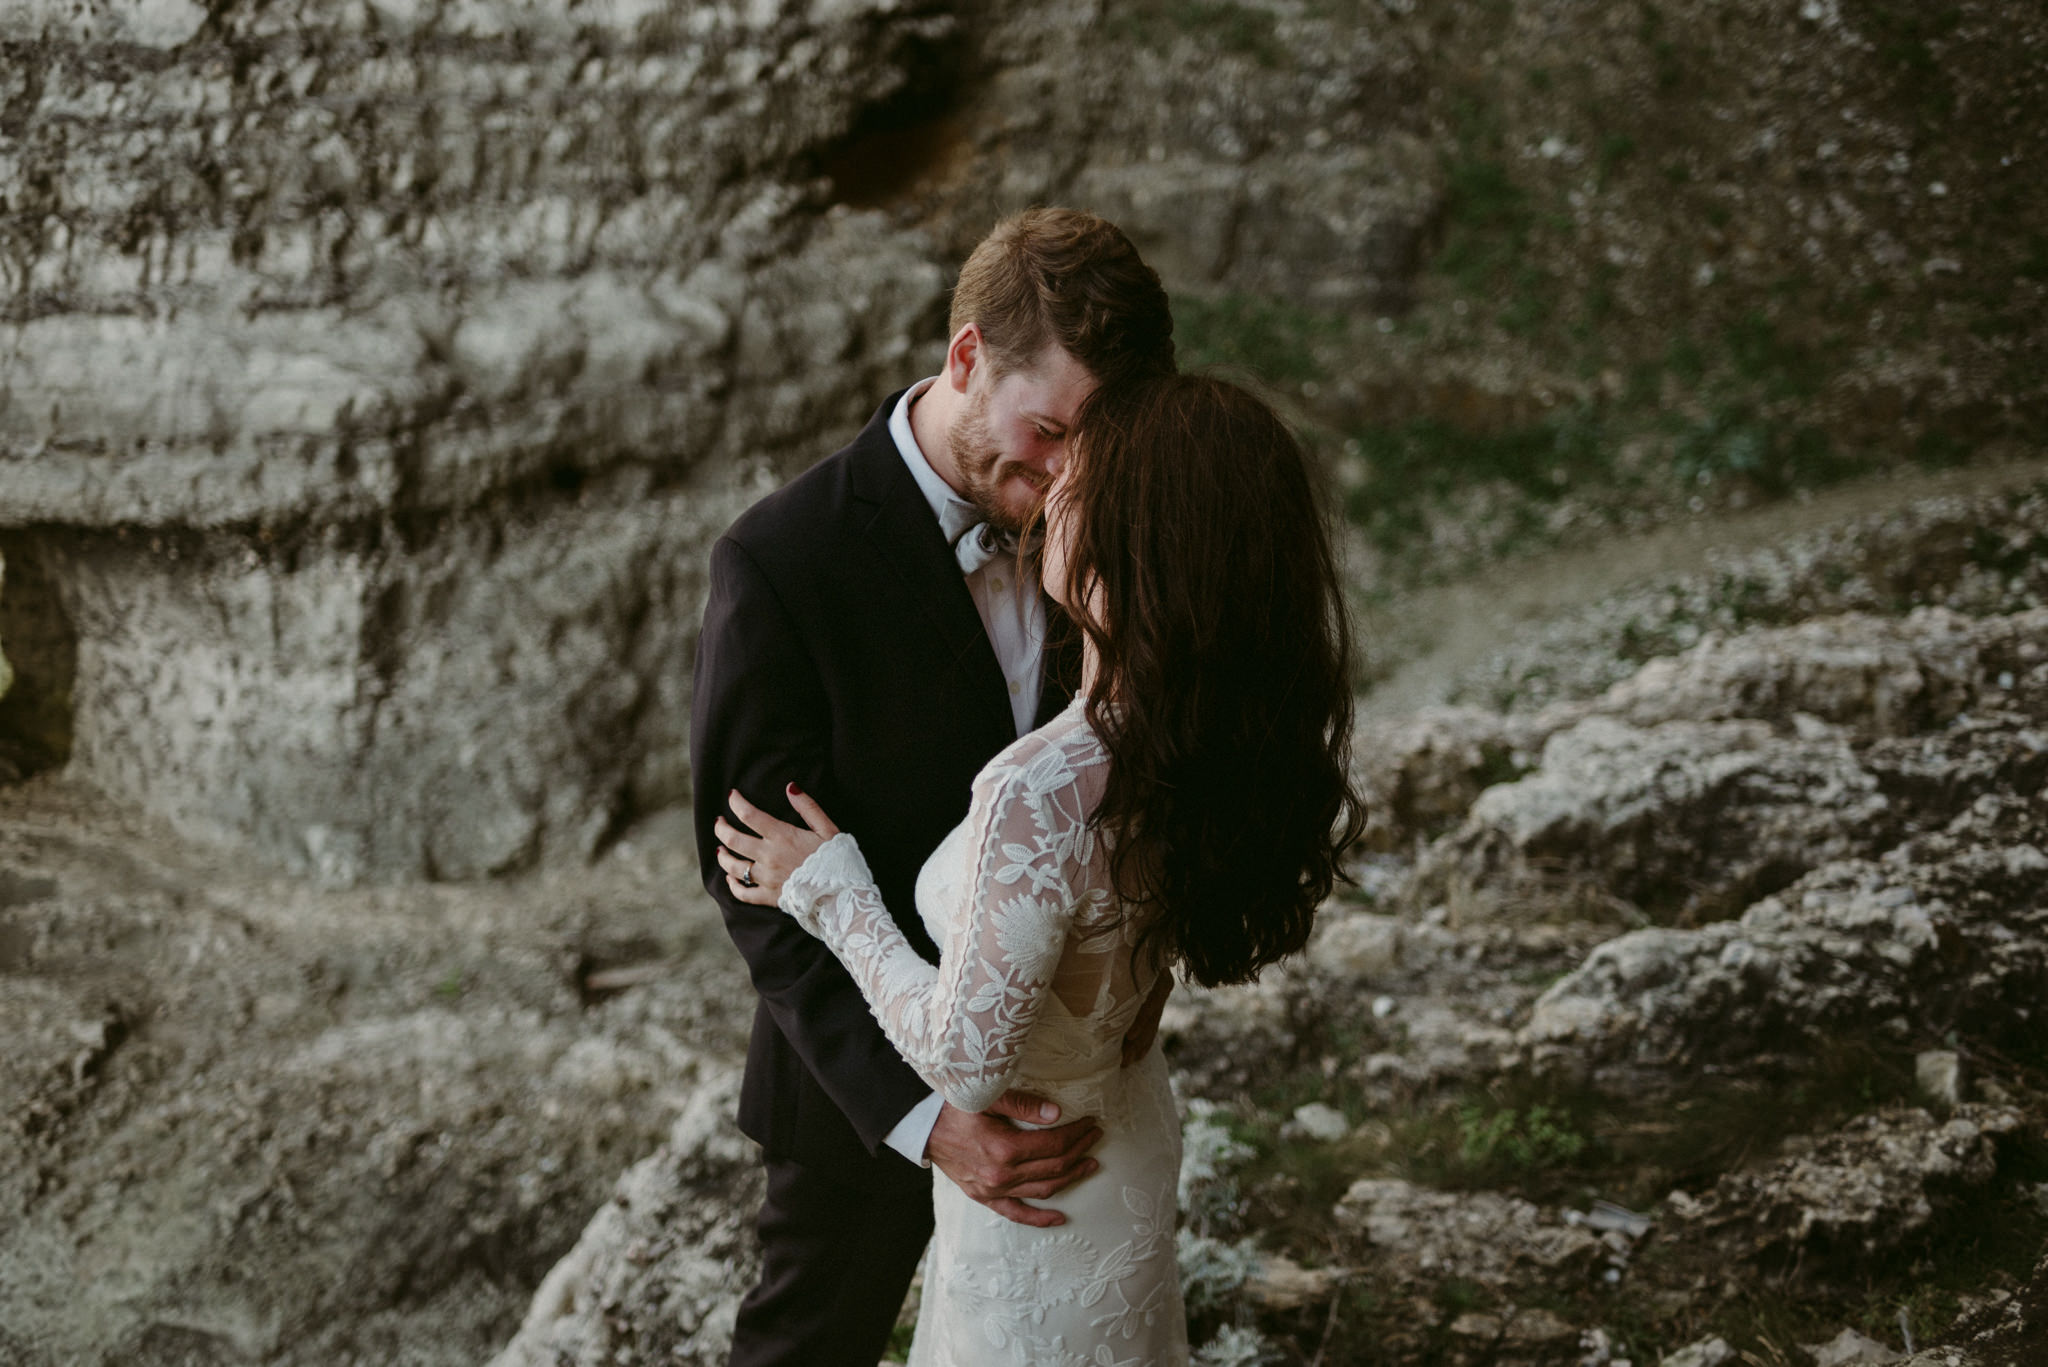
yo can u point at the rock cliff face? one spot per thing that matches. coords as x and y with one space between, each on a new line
374 374
376 377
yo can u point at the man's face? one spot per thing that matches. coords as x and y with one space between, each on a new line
1011 439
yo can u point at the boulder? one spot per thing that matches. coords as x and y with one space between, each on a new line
1686 820
1865 1188
1851 1349
1709 1352
1877 676
1944 932
659 1271
2008 1327
1423 1237
1420 774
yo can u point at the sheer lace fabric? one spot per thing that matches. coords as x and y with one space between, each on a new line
1037 982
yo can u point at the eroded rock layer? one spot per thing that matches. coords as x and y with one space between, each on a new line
374 373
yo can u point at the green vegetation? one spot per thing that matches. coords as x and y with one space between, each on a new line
1416 464
1721 408
1488 220
1735 441
1667 64
1711 411
1276 341
1904 32
1511 1141
1615 148
1540 1138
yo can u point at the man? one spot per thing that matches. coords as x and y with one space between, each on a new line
868 638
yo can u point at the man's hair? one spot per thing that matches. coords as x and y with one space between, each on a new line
1066 278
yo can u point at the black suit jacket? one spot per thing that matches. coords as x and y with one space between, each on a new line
841 650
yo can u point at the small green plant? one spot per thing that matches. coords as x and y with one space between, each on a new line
1615 148
1666 63
1539 1137
1413 463
1212 1271
1904 35
1735 441
450 987
1771 363
1940 449
1236 1345
1209 1198
1488 217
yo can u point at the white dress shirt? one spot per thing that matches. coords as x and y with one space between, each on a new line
1013 613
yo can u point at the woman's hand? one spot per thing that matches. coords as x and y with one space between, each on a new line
758 860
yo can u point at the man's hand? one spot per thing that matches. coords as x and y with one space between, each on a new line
1003 1166
1145 1025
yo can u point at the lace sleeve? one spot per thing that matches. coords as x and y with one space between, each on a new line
962 1024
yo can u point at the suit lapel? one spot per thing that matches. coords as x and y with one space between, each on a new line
905 534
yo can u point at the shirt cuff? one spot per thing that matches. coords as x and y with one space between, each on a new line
914 1131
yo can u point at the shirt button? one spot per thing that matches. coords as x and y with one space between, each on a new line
1015 688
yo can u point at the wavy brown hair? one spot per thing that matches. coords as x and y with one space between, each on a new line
1200 565
1064 277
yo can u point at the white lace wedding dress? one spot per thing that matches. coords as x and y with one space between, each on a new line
1035 987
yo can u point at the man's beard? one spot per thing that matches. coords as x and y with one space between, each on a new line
978 459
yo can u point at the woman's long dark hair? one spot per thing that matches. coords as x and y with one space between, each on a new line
1199 563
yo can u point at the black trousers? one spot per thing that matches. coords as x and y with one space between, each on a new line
837 1252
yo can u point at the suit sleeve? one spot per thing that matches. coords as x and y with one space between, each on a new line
759 719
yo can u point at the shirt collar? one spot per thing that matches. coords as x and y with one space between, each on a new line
955 514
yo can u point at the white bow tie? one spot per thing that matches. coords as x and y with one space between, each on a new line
980 544
975 541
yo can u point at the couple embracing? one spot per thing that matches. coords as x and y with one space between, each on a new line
1029 697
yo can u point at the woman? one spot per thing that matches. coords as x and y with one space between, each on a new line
1187 809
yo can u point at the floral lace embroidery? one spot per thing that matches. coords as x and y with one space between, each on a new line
962 1025
1036 986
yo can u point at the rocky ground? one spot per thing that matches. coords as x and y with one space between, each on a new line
1692 1019
1687 1001
249 1121
1695 997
